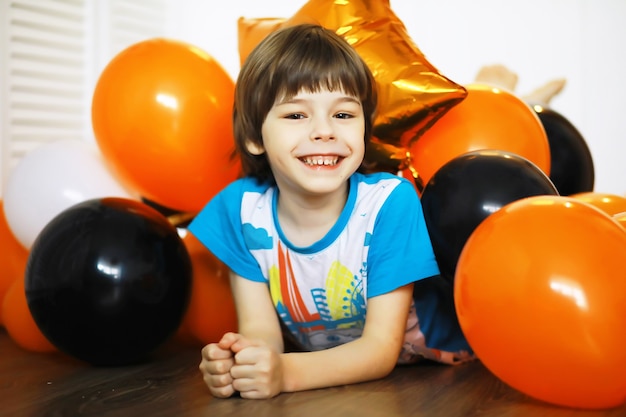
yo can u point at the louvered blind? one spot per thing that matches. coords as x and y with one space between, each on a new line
51 54
136 20
44 75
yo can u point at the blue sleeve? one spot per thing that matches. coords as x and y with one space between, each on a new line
218 226
400 248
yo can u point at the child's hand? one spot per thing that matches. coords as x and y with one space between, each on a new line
217 361
257 372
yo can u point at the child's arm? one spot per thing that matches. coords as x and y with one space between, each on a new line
370 357
261 370
258 321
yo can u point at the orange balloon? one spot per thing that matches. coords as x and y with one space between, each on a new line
609 203
540 294
412 93
19 322
211 311
13 258
488 118
161 115
184 337
621 219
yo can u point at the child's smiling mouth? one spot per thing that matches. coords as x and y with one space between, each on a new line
321 160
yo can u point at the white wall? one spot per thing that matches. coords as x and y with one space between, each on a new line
580 40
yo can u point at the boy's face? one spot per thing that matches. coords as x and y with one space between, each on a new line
314 141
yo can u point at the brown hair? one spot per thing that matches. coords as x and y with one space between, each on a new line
287 61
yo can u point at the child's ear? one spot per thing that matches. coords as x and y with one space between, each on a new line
254 148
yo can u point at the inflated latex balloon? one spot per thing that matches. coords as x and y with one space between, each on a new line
412 92
488 118
609 203
621 218
468 189
211 311
541 297
108 281
161 115
571 164
19 322
51 178
13 257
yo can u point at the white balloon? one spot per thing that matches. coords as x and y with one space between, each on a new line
52 178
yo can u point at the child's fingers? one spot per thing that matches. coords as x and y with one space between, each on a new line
222 392
243 342
219 385
216 367
228 339
213 351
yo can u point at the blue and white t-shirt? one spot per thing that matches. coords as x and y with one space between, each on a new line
379 243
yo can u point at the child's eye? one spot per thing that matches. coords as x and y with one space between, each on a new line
294 116
344 115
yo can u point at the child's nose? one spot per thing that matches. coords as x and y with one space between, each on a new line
322 129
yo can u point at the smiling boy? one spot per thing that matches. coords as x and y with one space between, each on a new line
314 245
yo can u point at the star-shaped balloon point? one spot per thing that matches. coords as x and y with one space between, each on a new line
412 94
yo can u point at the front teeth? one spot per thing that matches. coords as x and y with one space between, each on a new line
320 160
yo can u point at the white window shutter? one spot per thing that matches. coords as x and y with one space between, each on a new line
51 55
44 70
135 20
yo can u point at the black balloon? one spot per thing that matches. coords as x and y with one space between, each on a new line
571 164
108 281
467 189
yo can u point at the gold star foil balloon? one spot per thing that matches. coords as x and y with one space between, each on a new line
413 95
252 30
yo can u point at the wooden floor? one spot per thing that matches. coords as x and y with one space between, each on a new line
40 385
